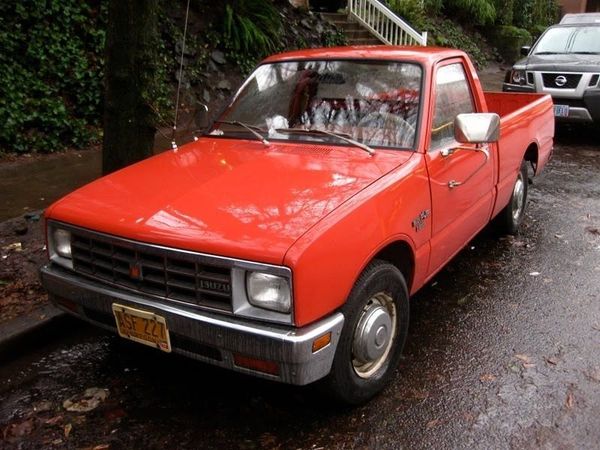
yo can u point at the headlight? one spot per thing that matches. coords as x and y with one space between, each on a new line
59 245
62 242
518 77
269 291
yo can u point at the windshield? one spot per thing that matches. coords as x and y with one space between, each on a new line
569 40
374 103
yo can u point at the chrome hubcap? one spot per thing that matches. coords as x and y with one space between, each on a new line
518 198
374 335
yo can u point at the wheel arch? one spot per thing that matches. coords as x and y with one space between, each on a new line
400 254
532 156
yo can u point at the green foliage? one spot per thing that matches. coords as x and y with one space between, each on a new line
433 6
523 14
504 11
251 26
410 10
509 40
444 32
545 12
441 31
476 12
50 73
332 39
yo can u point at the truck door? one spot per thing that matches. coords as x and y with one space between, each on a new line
461 179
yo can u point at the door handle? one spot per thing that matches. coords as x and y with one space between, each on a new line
485 150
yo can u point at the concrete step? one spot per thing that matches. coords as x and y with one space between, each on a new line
334 17
367 41
349 26
358 34
355 33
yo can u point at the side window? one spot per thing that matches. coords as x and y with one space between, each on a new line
452 97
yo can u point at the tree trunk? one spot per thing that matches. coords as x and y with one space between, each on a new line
131 56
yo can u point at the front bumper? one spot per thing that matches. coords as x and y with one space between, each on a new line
203 335
509 87
584 109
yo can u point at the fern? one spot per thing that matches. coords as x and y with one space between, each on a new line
251 26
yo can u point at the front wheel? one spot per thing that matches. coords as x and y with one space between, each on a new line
510 218
375 328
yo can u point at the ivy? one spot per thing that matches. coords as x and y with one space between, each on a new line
51 70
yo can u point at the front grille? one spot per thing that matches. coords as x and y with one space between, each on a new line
571 80
153 271
530 79
593 80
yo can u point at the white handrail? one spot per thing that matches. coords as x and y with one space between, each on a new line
384 23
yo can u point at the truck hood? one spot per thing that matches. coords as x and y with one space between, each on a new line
226 197
560 63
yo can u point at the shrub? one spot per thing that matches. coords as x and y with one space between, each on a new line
509 40
476 12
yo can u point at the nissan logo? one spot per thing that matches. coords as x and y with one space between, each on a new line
560 80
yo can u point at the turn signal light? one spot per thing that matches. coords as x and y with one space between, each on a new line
259 365
321 342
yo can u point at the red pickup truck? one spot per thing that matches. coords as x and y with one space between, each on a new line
286 241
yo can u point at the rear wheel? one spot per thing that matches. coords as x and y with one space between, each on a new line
510 218
375 327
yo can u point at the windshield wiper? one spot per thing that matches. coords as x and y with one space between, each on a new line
585 53
548 53
251 128
342 136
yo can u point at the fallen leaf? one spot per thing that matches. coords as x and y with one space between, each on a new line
528 365
487 377
554 360
57 441
54 420
593 230
534 274
90 400
524 358
68 428
569 401
19 429
594 374
16 246
432 423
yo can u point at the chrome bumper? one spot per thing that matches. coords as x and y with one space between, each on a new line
203 335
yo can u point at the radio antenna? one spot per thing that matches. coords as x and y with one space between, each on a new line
187 12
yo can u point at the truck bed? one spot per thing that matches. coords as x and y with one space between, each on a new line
526 120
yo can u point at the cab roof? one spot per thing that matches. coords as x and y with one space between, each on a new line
424 55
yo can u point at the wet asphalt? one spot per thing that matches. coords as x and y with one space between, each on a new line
503 352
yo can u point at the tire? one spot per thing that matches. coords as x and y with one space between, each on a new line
510 218
363 367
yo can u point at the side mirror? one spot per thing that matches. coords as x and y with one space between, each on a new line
525 50
201 116
477 128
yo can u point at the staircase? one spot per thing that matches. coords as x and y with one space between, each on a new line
356 34
370 22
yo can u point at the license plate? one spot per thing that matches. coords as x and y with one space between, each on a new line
142 326
561 110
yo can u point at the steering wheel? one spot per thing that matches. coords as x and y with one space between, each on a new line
404 132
